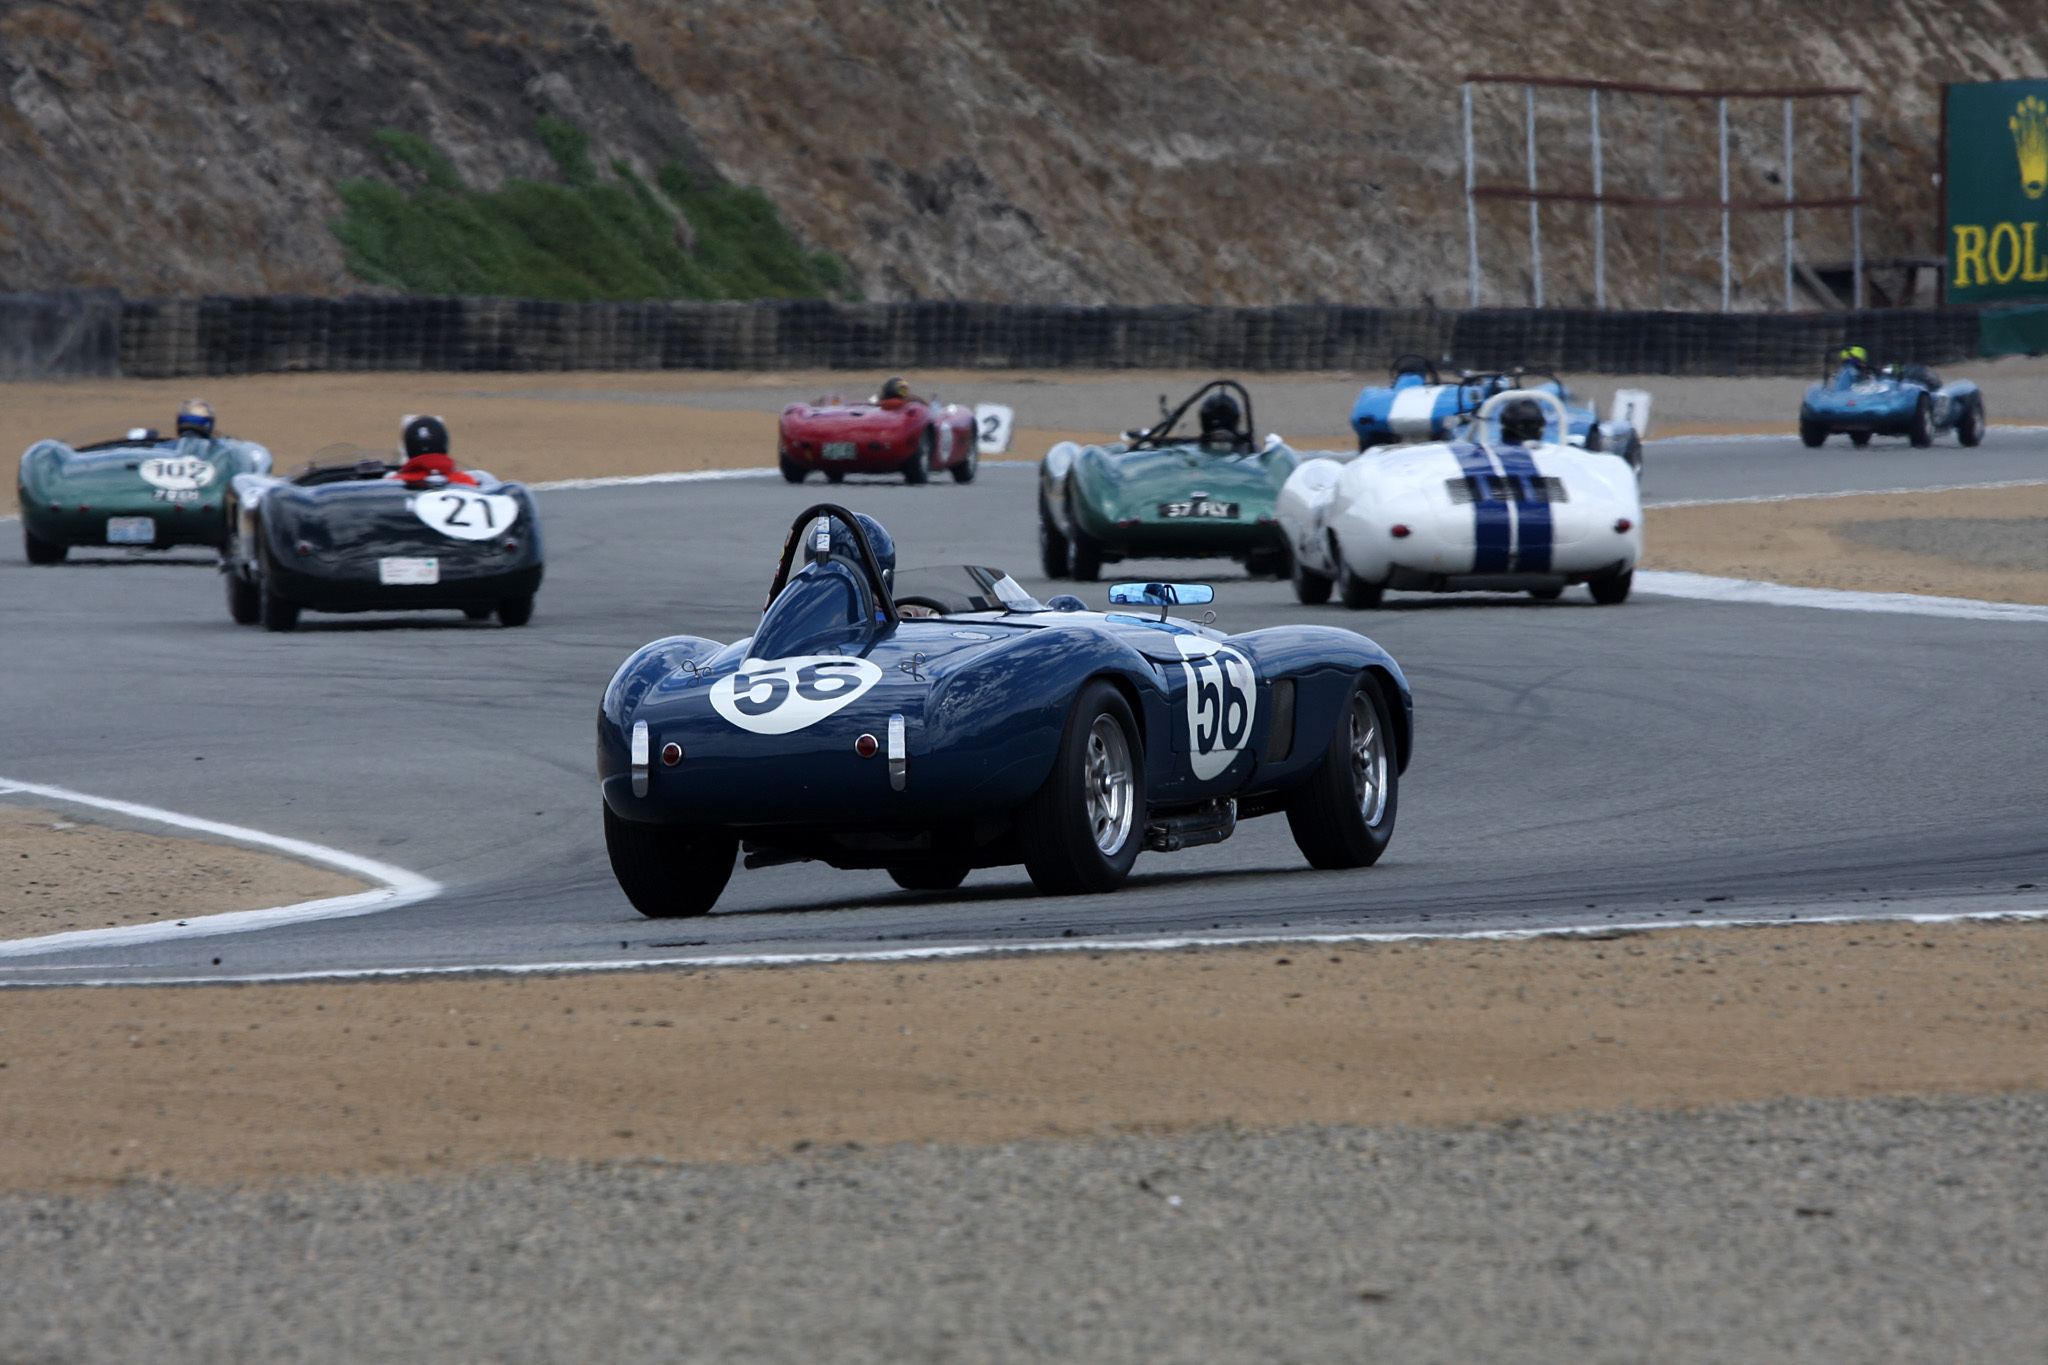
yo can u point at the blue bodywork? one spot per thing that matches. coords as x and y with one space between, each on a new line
1416 406
1862 401
983 690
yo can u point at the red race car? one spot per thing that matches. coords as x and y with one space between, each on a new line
894 431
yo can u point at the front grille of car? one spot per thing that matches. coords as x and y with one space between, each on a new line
1506 488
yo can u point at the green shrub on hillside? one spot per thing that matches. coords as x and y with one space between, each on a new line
588 239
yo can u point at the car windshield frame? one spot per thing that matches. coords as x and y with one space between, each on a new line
964 590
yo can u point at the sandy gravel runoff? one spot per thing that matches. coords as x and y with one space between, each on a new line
65 872
225 1084
1987 543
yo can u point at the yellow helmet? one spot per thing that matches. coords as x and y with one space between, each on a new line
895 387
1856 354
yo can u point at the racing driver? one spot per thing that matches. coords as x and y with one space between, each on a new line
426 454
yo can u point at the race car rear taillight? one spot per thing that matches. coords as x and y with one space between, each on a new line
1623 526
1398 531
671 754
509 546
867 746
304 547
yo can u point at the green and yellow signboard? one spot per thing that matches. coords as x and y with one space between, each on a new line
1997 188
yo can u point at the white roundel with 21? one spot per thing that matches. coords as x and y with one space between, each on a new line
1222 703
776 696
466 515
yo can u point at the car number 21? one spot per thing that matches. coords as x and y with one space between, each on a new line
1222 702
465 515
776 696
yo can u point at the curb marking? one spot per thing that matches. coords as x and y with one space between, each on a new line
400 887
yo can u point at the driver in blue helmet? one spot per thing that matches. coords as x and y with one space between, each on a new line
195 418
837 542
1521 422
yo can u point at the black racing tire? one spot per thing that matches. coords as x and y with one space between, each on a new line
1082 830
1354 592
245 599
1813 434
1311 589
1546 594
668 873
1084 561
968 465
835 476
1611 590
929 876
40 551
1859 439
918 468
792 472
1970 427
515 611
478 613
1921 433
1270 564
1633 454
1343 816
277 613
1052 544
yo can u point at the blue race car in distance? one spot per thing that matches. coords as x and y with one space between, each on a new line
1862 400
941 720
1416 405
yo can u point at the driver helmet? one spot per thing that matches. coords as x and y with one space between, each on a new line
1220 413
845 547
1521 421
425 436
195 418
895 389
1857 356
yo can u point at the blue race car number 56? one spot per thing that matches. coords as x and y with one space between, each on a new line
1222 700
776 696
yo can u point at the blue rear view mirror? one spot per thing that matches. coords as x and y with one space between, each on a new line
1160 595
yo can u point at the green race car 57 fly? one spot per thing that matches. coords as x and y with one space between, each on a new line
1161 494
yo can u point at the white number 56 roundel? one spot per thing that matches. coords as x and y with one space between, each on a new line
1223 700
776 696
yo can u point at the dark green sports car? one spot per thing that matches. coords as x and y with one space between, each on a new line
1165 494
139 490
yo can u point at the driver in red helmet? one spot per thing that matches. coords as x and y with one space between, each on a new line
426 454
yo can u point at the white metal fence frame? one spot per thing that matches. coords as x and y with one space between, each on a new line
1599 199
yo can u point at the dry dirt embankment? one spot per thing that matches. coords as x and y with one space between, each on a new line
1144 152
279 1082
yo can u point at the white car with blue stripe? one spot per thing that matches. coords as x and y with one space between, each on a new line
1466 515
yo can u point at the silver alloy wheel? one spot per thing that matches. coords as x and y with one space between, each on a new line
1368 760
1106 785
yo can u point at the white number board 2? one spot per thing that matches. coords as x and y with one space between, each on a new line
776 696
465 515
1223 700
992 423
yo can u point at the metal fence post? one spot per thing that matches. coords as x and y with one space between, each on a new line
1471 204
1856 187
1721 105
1535 224
1599 214
1788 199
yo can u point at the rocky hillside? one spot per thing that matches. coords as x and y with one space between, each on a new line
1143 151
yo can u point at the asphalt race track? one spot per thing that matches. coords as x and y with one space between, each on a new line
1574 765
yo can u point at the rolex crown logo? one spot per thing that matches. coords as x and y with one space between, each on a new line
2029 125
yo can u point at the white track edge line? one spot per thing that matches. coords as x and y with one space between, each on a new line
944 952
1763 593
1845 493
400 887
695 476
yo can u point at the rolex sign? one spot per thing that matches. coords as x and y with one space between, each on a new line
1997 191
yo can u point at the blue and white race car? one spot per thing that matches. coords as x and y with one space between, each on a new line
1481 513
934 721
1418 406
1862 400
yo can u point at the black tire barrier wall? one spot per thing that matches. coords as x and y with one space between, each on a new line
224 335
64 334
